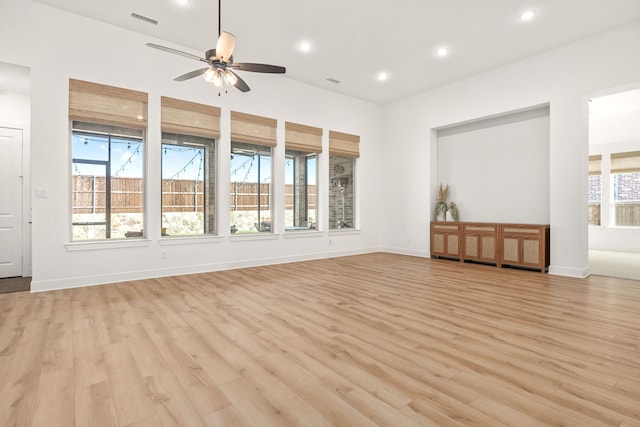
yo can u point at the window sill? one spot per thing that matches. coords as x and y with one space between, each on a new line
622 227
344 231
188 240
292 234
253 236
98 245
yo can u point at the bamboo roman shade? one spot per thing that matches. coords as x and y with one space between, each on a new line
625 162
190 118
344 144
595 165
302 138
102 104
254 129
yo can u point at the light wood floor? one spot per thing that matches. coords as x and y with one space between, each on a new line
375 339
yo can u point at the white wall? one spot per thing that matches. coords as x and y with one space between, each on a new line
57 46
496 167
564 79
617 132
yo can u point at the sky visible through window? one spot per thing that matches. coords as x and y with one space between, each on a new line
178 162
126 155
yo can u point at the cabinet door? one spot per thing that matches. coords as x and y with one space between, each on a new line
471 244
438 245
531 249
452 244
510 250
488 248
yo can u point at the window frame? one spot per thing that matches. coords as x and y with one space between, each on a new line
342 178
309 223
261 224
109 132
210 181
617 204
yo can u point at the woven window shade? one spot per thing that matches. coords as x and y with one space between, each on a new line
254 129
625 162
344 144
190 118
102 104
302 138
595 165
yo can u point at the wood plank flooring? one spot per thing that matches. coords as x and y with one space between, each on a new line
367 340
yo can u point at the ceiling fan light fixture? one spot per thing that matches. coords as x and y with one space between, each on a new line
218 80
209 75
230 78
218 60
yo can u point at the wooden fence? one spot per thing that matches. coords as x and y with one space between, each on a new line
178 195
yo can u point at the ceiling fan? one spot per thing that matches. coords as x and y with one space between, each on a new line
219 71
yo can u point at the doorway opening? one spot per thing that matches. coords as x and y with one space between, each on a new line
15 207
614 185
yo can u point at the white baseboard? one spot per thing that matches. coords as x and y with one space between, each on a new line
569 271
403 251
101 279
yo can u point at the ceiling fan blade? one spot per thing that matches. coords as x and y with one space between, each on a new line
192 74
176 52
258 68
241 85
225 45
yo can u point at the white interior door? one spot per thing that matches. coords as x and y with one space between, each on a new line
10 202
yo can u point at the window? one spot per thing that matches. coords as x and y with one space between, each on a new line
188 185
595 189
107 182
250 188
252 139
188 167
625 177
302 145
341 197
301 193
107 161
343 151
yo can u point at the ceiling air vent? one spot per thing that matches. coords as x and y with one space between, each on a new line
144 18
332 80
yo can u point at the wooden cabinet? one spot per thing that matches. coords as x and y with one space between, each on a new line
445 240
480 242
525 245
517 245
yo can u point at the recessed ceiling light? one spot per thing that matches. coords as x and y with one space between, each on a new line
183 2
304 46
383 76
442 51
527 16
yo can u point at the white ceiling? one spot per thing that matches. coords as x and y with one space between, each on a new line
620 102
354 40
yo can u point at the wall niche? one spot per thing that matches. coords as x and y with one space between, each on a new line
497 168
